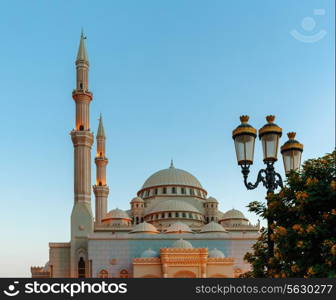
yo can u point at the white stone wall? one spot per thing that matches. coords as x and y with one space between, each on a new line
59 259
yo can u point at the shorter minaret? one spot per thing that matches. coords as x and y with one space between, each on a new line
100 189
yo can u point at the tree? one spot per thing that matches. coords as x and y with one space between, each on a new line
304 228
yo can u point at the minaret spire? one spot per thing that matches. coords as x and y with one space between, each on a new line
101 131
82 53
100 189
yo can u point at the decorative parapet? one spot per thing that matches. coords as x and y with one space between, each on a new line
39 272
182 256
184 250
110 226
147 260
241 227
223 260
59 245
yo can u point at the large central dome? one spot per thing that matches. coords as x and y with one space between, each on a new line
172 176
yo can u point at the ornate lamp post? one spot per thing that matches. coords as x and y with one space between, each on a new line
244 138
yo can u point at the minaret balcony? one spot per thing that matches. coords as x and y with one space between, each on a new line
86 92
101 160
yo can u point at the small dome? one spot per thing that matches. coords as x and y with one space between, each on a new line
215 253
137 199
116 214
178 227
181 243
173 205
172 176
46 267
144 227
233 214
211 200
212 227
149 253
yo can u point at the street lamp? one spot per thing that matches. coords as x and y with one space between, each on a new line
291 153
244 138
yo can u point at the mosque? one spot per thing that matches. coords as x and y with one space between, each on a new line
172 229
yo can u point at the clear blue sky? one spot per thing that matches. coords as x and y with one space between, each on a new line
171 79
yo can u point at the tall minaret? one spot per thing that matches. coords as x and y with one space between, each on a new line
82 139
81 136
101 189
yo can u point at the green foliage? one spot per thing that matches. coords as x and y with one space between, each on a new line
304 228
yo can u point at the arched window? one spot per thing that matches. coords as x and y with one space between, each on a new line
81 268
190 216
162 216
81 127
169 215
100 183
81 85
174 190
184 215
183 190
156 191
123 273
103 274
137 220
164 190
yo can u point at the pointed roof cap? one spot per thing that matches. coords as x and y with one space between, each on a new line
171 164
101 131
82 53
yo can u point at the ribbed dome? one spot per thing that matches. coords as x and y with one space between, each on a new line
116 214
215 253
212 227
144 228
149 253
179 227
171 176
182 244
137 199
233 214
173 205
211 200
